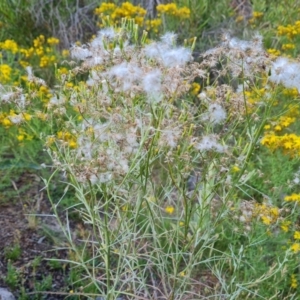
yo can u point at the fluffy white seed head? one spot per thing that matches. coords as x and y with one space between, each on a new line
107 34
127 74
176 57
285 72
152 84
216 113
80 53
169 38
209 143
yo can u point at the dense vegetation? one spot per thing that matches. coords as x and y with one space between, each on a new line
169 137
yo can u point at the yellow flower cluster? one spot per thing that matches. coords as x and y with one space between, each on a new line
288 46
292 93
289 143
44 94
256 15
41 50
137 13
169 209
267 213
9 45
5 121
153 24
294 282
285 225
297 235
273 52
195 88
68 138
39 41
292 198
290 30
255 96
65 53
126 10
105 8
45 61
52 41
27 52
172 10
5 73
11 118
281 123
23 135
235 169
295 247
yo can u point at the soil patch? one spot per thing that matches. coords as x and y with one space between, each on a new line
28 231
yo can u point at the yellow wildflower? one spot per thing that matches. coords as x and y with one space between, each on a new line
125 207
27 116
292 198
288 46
20 137
195 88
72 144
274 211
65 53
293 92
294 283
266 220
6 122
297 235
169 210
285 225
69 84
257 14
50 140
172 10
273 51
183 13
277 128
153 24
295 247
5 73
52 41
235 169
9 45
105 8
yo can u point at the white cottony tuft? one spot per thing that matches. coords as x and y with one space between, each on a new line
16 119
127 74
210 143
106 33
169 38
176 57
152 83
286 72
235 43
29 71
80 53
217 114
167 53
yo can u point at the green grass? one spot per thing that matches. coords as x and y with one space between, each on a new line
119 163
